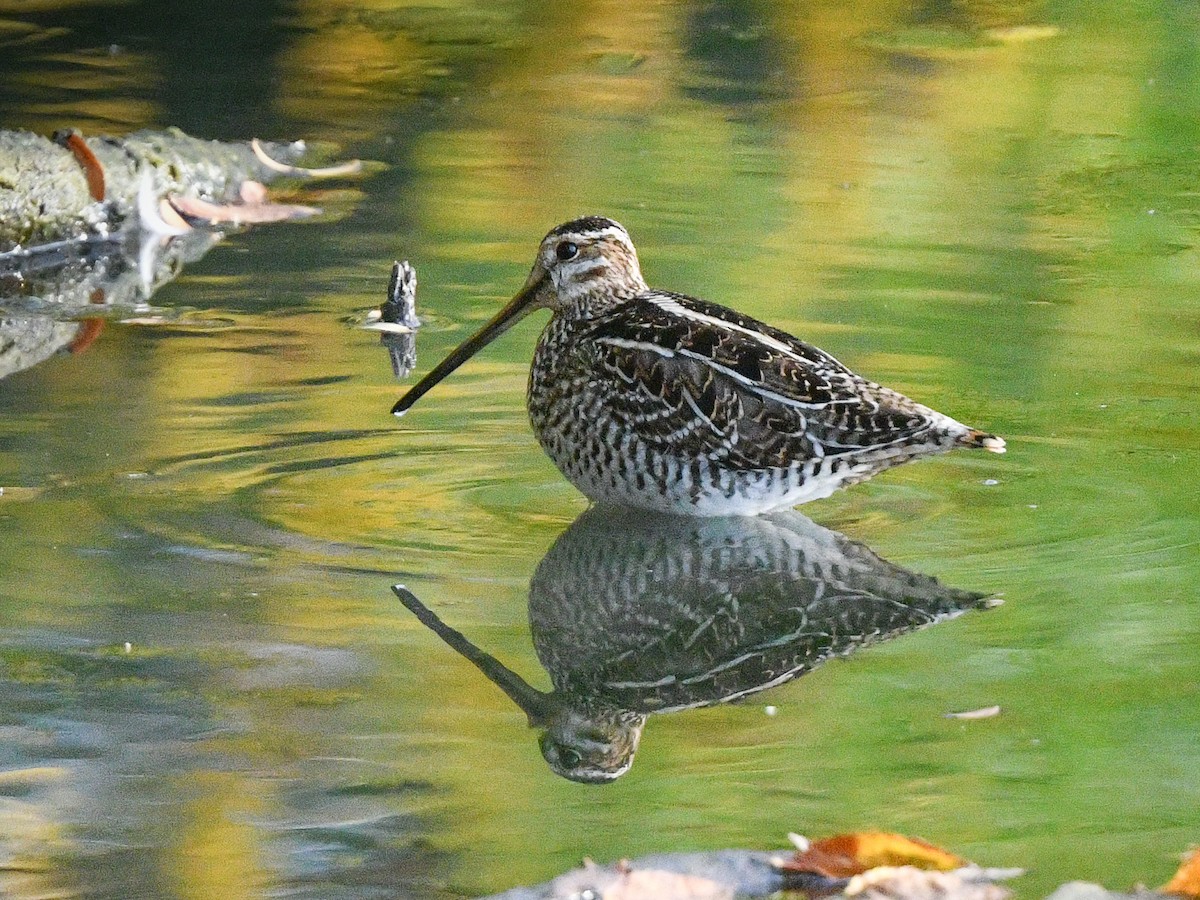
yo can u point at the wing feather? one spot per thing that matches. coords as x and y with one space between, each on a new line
710 382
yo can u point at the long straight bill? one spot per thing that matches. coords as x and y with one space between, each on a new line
512 313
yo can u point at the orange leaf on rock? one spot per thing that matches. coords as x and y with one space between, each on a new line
844 855
1187 879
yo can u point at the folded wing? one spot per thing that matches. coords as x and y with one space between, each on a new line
704 380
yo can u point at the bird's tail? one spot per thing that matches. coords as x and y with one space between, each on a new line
983 440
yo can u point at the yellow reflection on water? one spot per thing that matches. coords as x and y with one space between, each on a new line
217 852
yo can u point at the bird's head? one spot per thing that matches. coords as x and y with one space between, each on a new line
582 266
584 263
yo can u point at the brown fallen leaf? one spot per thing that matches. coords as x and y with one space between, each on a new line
89 330
238 213
1186 881
844 855
93 170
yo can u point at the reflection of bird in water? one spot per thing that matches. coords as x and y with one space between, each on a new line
657 400
634 614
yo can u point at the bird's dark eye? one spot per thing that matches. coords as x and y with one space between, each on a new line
566 250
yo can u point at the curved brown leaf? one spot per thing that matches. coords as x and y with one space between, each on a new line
1186 881
844 855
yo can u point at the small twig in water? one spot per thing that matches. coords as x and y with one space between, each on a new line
352 167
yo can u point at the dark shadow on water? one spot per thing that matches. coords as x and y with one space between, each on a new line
635 614
234 43
738 58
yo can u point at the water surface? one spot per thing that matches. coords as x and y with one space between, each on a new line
207 687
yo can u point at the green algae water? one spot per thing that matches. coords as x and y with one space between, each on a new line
207 686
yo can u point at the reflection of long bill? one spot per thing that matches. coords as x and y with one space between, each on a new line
537 705
515 310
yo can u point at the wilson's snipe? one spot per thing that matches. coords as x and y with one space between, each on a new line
654 399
